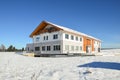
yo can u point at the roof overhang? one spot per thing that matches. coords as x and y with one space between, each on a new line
41 26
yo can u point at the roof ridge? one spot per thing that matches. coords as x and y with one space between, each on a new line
71 30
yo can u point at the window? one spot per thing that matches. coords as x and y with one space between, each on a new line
45 38
66 47
80 39
55 36
72 48
76 38
43 48
77 48
37 48
72 37
48 48
37 39
66 36
80 48
56 47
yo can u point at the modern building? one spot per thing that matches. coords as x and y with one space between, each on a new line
49 38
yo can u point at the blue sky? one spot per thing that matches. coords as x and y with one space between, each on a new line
98 18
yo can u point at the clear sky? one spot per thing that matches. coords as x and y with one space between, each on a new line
98 18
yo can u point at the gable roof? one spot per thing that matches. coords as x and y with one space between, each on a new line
45 23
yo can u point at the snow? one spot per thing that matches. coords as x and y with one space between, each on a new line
18 67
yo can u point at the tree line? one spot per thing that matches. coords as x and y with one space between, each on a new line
10 48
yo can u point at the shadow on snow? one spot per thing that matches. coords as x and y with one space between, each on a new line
106 65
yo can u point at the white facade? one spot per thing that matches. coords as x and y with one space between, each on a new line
63 41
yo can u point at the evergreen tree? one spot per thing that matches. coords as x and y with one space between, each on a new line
10 48
22 49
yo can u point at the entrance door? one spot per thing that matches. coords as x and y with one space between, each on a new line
88 49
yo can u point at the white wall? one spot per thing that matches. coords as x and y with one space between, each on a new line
72 43
96 45
50 37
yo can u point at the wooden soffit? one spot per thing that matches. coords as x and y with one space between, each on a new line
40 28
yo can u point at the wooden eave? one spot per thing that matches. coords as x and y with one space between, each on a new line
40 27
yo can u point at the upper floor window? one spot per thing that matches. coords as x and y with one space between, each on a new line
45 38
80 39
37 39
72 37
66 36
55 36
76 38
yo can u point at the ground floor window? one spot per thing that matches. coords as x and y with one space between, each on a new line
37 48
77 48
56 47
48 48
72 48
66 47
80 48
43 48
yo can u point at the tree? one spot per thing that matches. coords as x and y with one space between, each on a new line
22 49
10 48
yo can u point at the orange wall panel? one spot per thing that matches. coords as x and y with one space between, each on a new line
92 44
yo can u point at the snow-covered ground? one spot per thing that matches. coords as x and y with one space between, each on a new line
18 67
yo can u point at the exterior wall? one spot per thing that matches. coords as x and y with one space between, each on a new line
68 44
29 47
50 42
50 37
97 45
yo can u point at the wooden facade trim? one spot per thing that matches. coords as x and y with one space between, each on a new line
40 29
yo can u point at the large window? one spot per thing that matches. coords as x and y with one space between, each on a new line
43 48
37 48
56 47
66 36
72 37
48 48
55 36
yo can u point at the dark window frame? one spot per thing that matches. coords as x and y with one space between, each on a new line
55 36
37 48
72 37
66 36
43 48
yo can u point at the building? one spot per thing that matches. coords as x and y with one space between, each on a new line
49 38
